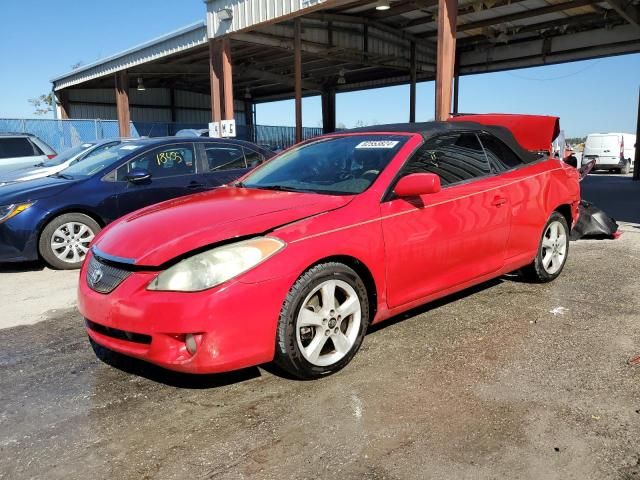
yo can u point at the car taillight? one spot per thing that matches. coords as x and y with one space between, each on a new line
622 148
51 156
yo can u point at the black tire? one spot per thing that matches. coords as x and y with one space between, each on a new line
288 354
44 245
536 271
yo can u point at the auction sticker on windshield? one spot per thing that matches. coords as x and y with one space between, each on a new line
387 144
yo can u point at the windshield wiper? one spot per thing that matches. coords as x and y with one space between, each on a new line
278 188
62 175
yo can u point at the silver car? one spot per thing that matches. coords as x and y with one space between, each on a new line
58 163
18 150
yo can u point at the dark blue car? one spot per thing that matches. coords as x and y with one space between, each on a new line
55 218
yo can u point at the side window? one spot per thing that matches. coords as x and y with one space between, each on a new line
253 158
16 147
225 157
501 156
454 157
163 162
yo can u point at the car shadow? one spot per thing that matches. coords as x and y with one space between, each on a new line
22 267
435 304
133 366
140 368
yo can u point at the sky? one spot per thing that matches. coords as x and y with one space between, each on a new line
41 39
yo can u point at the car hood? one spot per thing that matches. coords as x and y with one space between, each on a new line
29 173
33 189
160 233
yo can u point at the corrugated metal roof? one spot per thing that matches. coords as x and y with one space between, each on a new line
246 14
188 37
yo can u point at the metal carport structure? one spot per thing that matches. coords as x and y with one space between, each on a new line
252 51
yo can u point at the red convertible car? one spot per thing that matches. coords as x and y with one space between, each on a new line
295 261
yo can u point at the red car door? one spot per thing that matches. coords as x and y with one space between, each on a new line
526 188
438 241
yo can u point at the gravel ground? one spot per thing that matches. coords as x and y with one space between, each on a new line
506 380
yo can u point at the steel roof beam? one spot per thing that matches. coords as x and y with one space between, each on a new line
275 77
626 10
340 54
430 47
536 12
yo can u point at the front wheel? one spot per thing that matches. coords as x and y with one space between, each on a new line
553 251
323 321
65 240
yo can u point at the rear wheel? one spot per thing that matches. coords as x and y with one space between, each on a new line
65 240
323 321
553 251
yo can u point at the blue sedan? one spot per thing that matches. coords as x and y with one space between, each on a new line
56 218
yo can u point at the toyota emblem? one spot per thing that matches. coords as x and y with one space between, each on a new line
96 276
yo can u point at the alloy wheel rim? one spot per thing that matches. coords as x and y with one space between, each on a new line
554 247
328 323
70 241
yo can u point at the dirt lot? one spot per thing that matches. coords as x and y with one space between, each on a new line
507 380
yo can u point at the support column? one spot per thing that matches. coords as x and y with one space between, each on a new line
456 86
329 110
215 75
298 77
248 119
227 81
413 78
63 100
447 18
122 103
172 104
636 163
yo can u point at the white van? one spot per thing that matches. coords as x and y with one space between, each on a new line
611 151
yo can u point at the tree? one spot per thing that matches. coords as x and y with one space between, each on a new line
43 104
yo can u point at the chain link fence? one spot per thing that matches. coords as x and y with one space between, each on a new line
64 134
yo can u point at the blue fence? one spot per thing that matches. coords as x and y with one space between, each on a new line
64 134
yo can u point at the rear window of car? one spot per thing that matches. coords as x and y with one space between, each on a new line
16 147
225 157
499 154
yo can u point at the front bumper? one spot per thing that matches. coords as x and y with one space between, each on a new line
234 324
19 238
605 162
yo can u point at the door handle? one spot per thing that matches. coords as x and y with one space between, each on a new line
499 201
194 185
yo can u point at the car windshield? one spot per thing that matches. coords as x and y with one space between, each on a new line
341 165
95 163
67 155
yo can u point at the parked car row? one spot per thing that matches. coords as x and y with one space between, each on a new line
20 150
55 215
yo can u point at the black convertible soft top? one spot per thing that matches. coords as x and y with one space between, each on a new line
429 129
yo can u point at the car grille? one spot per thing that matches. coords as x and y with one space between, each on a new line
118 334
104 278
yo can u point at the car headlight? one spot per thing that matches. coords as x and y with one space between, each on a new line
9 211
213 267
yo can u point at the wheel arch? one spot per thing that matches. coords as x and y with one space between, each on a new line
363 272
565 211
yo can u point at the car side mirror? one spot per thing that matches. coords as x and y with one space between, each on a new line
418 184
138 175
